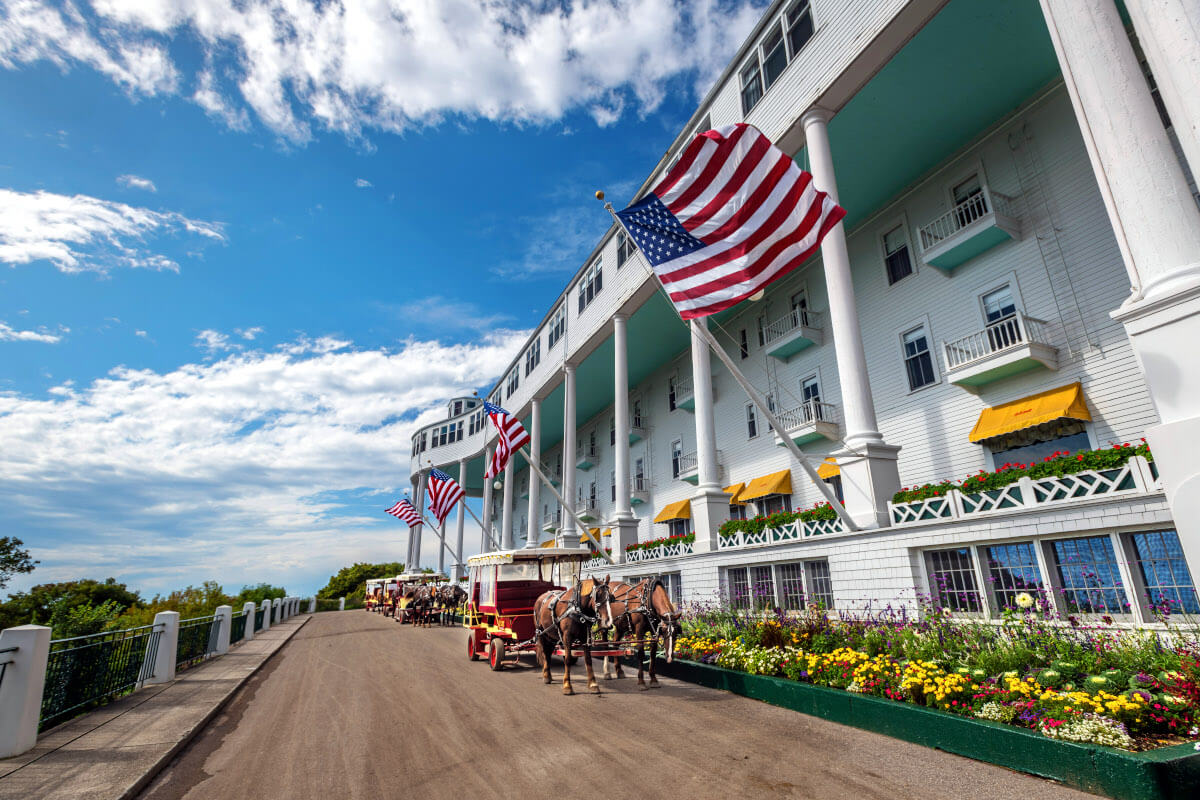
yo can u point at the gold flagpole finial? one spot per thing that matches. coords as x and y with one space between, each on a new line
599 195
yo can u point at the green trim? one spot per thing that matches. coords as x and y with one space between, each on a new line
968 243
1169 773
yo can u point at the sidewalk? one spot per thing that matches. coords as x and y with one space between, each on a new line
113 752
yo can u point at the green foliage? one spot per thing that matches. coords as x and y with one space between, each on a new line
38 605
83 620
758 524
193 601
351 579
13 559
257 593
679 538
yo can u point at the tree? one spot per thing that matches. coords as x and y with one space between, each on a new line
258 593
352 578
13 559
83 620
39 604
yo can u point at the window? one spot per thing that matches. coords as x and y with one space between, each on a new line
791 587
762 331
625 248
592 283
751 422
774 55
558 326
752 89
774 504
1035 444
918 362
456 408
799 23
679 527
591 445
637 414
592 494
1164 572
969 203
612 431
952 580
1088 574
896 255
820 584
533 356
762 588
1012 569
810 397
514 380
558 465
998 305
743 344
639 475
676 457
737 511
737 588
835 483
799 307
612 476
671 393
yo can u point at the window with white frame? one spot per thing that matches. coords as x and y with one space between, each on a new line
1089 578
751 81
612 431
762 588
625 248
1164 573
835 483
743 344
737 588
533 356
969 204
810 398
671 393
1034 444
591 284
952 583
640 484
774 54
774 504
788 586
737 511
897 256
679 527
676 457
456 408
799 22
791 586
751 421
514 380
761 324
612 476
670 580
820 583
635 411
558 326
1012 569
918 360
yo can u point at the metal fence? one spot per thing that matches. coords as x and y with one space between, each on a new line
258 619
85 671
237 627
197 638
327 605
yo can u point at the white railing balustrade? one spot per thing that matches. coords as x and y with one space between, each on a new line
552 519
963 214
789 322
585 506
995 338
684 389
808 414
1136 476
791 532
688 462
672 550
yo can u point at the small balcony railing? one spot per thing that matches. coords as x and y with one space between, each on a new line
998 337
639 490
810 421
587 457
687 466
552 521
685 393
794 331
971 210
971 227
585 508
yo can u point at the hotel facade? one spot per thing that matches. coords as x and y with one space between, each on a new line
1018 275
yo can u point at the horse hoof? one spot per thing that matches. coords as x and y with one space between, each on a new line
568 690
642 687
547 681
594 688
655 685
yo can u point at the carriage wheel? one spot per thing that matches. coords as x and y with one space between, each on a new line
471 652
496 653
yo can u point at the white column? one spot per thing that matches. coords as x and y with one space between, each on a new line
249 609
485 541
312 604
168 643
568 536
414 533
533 527
265 605
506 509
710 505
275 609
442 547
341 604
869 471
225 615
22 687
624 523
461 522
1169 31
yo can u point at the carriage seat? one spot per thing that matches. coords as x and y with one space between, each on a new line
516 596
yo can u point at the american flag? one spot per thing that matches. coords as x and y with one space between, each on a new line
404 510
733 215
513 437
444 492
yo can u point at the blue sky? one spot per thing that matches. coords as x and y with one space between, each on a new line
245 248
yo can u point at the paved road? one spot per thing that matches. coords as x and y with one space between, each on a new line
354 707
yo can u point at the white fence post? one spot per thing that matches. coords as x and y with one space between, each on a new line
224 615
22 685
249 608
276 611
168 645
341 604
312 604
266 609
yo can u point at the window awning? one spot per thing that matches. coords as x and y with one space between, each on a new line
594 534
1065 402
548 543
829 469
680 510
775 483
735 493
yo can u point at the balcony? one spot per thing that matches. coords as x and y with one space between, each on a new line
974 226
1005 348
585 509
587 458
639 490
637 428
552 521
685 394
810 422
791 333
688 467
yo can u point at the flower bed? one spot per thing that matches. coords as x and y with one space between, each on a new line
760 523
1117 688
683 538
1055 465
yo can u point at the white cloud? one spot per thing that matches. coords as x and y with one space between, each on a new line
85 234
135 182
141 333
389 64
252 467
249 334
214 341
362 183
9 334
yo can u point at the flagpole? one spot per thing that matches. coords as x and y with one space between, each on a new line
569 508
426 522
701 329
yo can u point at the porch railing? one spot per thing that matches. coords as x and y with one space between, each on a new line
995 338
791 532
789 322
963 214
237 627
197 639
83 671
661 551
809 413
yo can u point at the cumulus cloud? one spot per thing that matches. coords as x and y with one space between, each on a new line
78 233
9 334
362 183
262 465
249 334
136 182
388 64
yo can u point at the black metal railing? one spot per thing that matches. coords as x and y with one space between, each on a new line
237 627
86 671
6 658
258 619
197 638
274 613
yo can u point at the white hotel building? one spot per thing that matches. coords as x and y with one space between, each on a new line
1018 273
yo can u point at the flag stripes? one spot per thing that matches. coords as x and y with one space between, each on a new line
512 436
444 492
405 511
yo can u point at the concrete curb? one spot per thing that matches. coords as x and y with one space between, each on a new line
158 766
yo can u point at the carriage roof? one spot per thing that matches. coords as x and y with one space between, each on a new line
406 577
530 554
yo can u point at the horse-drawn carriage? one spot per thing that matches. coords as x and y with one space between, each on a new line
374 597
419 598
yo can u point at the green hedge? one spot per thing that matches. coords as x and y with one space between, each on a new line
758 524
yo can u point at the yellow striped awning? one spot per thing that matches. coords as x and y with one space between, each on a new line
829 469
680 510
594 534
548 543
1065 402
775 483
734 493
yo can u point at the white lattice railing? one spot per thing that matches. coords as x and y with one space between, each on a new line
1136 476
661 551
968 211
808 414
683 389
596 563
995 338
789 322
791 532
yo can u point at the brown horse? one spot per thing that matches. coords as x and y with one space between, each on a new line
643 610
564 617
419 609
450 597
